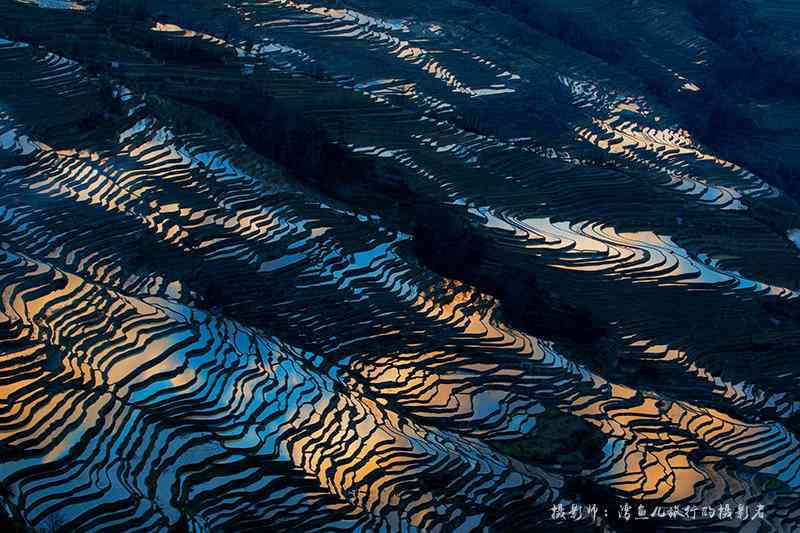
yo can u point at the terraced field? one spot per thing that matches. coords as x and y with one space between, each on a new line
398 266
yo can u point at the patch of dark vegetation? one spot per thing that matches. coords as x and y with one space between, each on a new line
184 523
11 519
793 423
566 441
9 525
